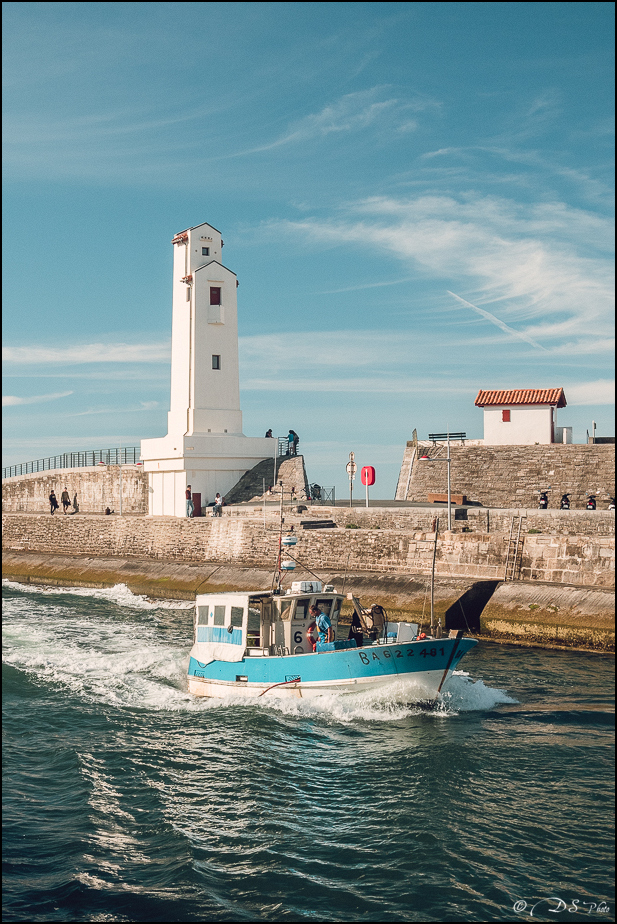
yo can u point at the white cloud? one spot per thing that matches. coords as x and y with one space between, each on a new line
12 400
600 392
89 353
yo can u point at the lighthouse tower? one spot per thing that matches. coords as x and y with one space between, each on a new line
204 447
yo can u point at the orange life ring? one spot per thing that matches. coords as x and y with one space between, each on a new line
309 635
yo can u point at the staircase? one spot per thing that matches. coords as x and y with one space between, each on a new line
289 470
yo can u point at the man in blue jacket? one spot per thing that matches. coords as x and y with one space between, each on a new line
324 624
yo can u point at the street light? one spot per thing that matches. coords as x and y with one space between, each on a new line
426 458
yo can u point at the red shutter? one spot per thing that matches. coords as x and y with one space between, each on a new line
505 416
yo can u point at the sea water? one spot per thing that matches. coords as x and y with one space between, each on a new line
126 799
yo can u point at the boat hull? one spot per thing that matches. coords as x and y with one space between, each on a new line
424 665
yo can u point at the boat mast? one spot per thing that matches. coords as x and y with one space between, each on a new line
277 577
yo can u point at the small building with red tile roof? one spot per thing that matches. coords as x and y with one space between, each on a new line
523 416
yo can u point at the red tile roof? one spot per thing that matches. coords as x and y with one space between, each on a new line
552 396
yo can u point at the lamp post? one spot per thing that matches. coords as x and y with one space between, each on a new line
426 458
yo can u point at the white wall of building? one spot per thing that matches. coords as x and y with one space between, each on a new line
528 425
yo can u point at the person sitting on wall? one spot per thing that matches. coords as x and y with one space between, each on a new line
323 623
217 510
269 434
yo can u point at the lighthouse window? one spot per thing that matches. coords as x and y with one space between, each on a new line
205 251
215 295
216 361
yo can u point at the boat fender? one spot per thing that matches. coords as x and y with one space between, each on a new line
421 636
309 635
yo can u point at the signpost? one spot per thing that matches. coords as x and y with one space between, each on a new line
368 477
352 468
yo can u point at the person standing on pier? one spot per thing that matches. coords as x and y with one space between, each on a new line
189 501
53 502
65 497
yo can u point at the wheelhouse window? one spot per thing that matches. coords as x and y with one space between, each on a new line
216 361
237 612
215 295
302 607
219 615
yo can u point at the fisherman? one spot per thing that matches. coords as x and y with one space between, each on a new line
323 623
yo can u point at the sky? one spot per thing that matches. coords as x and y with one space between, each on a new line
416 197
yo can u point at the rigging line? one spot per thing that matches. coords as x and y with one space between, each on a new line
298 562
464 617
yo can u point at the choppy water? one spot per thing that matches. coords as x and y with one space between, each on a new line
127 800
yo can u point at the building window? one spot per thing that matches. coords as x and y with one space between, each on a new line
216 361
205 251
215 295
505 416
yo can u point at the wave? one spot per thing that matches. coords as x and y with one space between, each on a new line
118 594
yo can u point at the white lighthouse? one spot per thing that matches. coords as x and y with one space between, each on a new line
204 447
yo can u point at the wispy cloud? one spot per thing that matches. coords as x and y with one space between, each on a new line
89 353
545 264
366 285
497 322
352 112
12 400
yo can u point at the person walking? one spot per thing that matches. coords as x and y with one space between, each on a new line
66 500
53 502
189 501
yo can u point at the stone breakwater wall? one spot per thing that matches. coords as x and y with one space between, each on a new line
549 615
509 476
474 519
563 559
97 487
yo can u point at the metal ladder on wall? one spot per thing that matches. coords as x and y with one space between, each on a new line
515 548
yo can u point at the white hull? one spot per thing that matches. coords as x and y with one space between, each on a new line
424 686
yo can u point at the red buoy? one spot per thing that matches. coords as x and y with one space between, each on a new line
368 475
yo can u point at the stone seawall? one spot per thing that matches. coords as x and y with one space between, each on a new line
508 476
97 487
563 559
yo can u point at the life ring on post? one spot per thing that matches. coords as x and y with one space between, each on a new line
309 635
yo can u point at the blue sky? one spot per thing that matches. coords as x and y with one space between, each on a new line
416 197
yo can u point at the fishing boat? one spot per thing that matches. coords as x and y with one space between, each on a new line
261 642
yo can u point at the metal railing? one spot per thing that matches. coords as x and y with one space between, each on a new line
321 495
129 455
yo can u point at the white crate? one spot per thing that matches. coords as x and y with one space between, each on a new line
306 587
